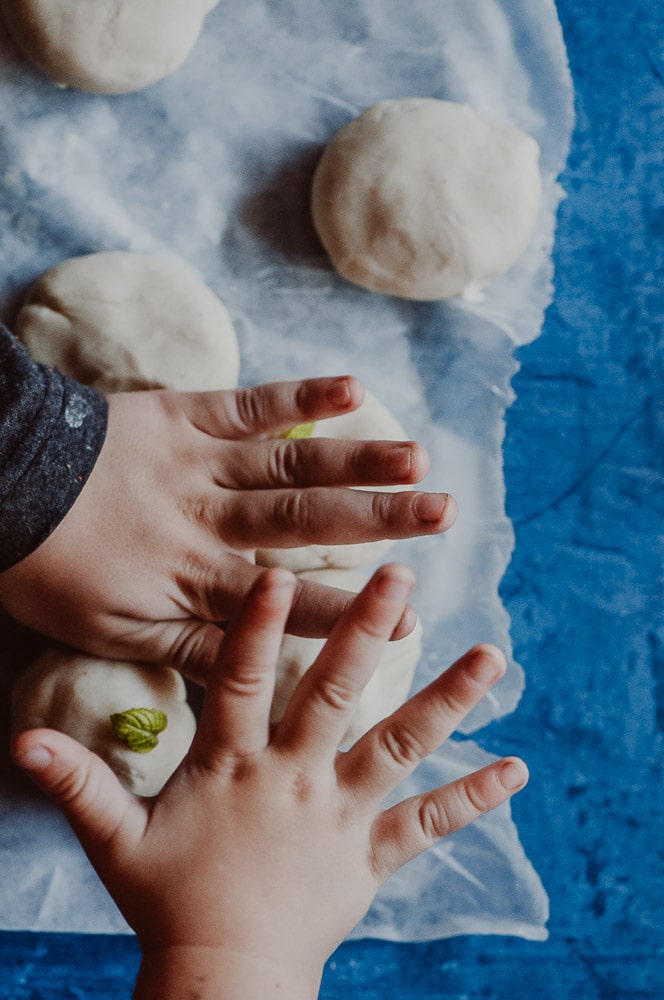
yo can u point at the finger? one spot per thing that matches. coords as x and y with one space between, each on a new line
290 518
411 827
319 462
389 752
270 408
215 592
236 711
104 816
318 607
191 647
322 706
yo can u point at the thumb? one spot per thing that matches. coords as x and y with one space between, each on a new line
92 799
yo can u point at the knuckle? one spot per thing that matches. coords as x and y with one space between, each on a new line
196 582
243 681
471 798
284 464
303 787
453 705
336 693
434 819
371 462
69 787
386 508
292 511
196 509
441 815
402 746
361 461
375 631
306 397
249 410
190 653
77 790
453 702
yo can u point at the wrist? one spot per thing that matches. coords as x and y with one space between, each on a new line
214 973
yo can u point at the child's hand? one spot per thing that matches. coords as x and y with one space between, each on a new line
159 545
265 849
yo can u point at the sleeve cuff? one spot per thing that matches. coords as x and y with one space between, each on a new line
53 430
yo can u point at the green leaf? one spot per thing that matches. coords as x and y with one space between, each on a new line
300 432
138 728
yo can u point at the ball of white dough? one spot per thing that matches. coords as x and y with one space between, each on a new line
389 685
77 694
426 199
124 321
372 421
102 47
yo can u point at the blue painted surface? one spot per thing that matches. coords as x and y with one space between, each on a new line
585 490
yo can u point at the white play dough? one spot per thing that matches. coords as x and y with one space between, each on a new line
390 683
372 421
122 321
106 46
426 199
77 694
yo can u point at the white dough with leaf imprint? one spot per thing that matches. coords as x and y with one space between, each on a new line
77 694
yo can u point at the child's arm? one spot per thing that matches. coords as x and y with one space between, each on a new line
158 545
265 849
51 432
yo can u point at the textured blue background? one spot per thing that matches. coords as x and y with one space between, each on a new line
585 490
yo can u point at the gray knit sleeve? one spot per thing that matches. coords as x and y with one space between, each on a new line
51 432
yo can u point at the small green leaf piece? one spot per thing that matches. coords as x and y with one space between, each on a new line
300 432
139 728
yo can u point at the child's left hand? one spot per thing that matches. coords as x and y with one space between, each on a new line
159 544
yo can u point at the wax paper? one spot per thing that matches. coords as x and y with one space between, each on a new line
213 166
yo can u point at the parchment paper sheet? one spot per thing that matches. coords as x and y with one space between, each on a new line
213 166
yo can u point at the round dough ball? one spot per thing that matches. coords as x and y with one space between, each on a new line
123 321
389 685
426 199
102 47
77 694
372 421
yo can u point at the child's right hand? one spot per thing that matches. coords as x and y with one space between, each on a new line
266 848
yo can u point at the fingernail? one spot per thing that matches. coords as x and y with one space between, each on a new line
400 461
35 758
486 667
430 507
338 392
513 774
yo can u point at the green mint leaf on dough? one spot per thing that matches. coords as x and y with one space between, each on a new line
300 432
139 728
